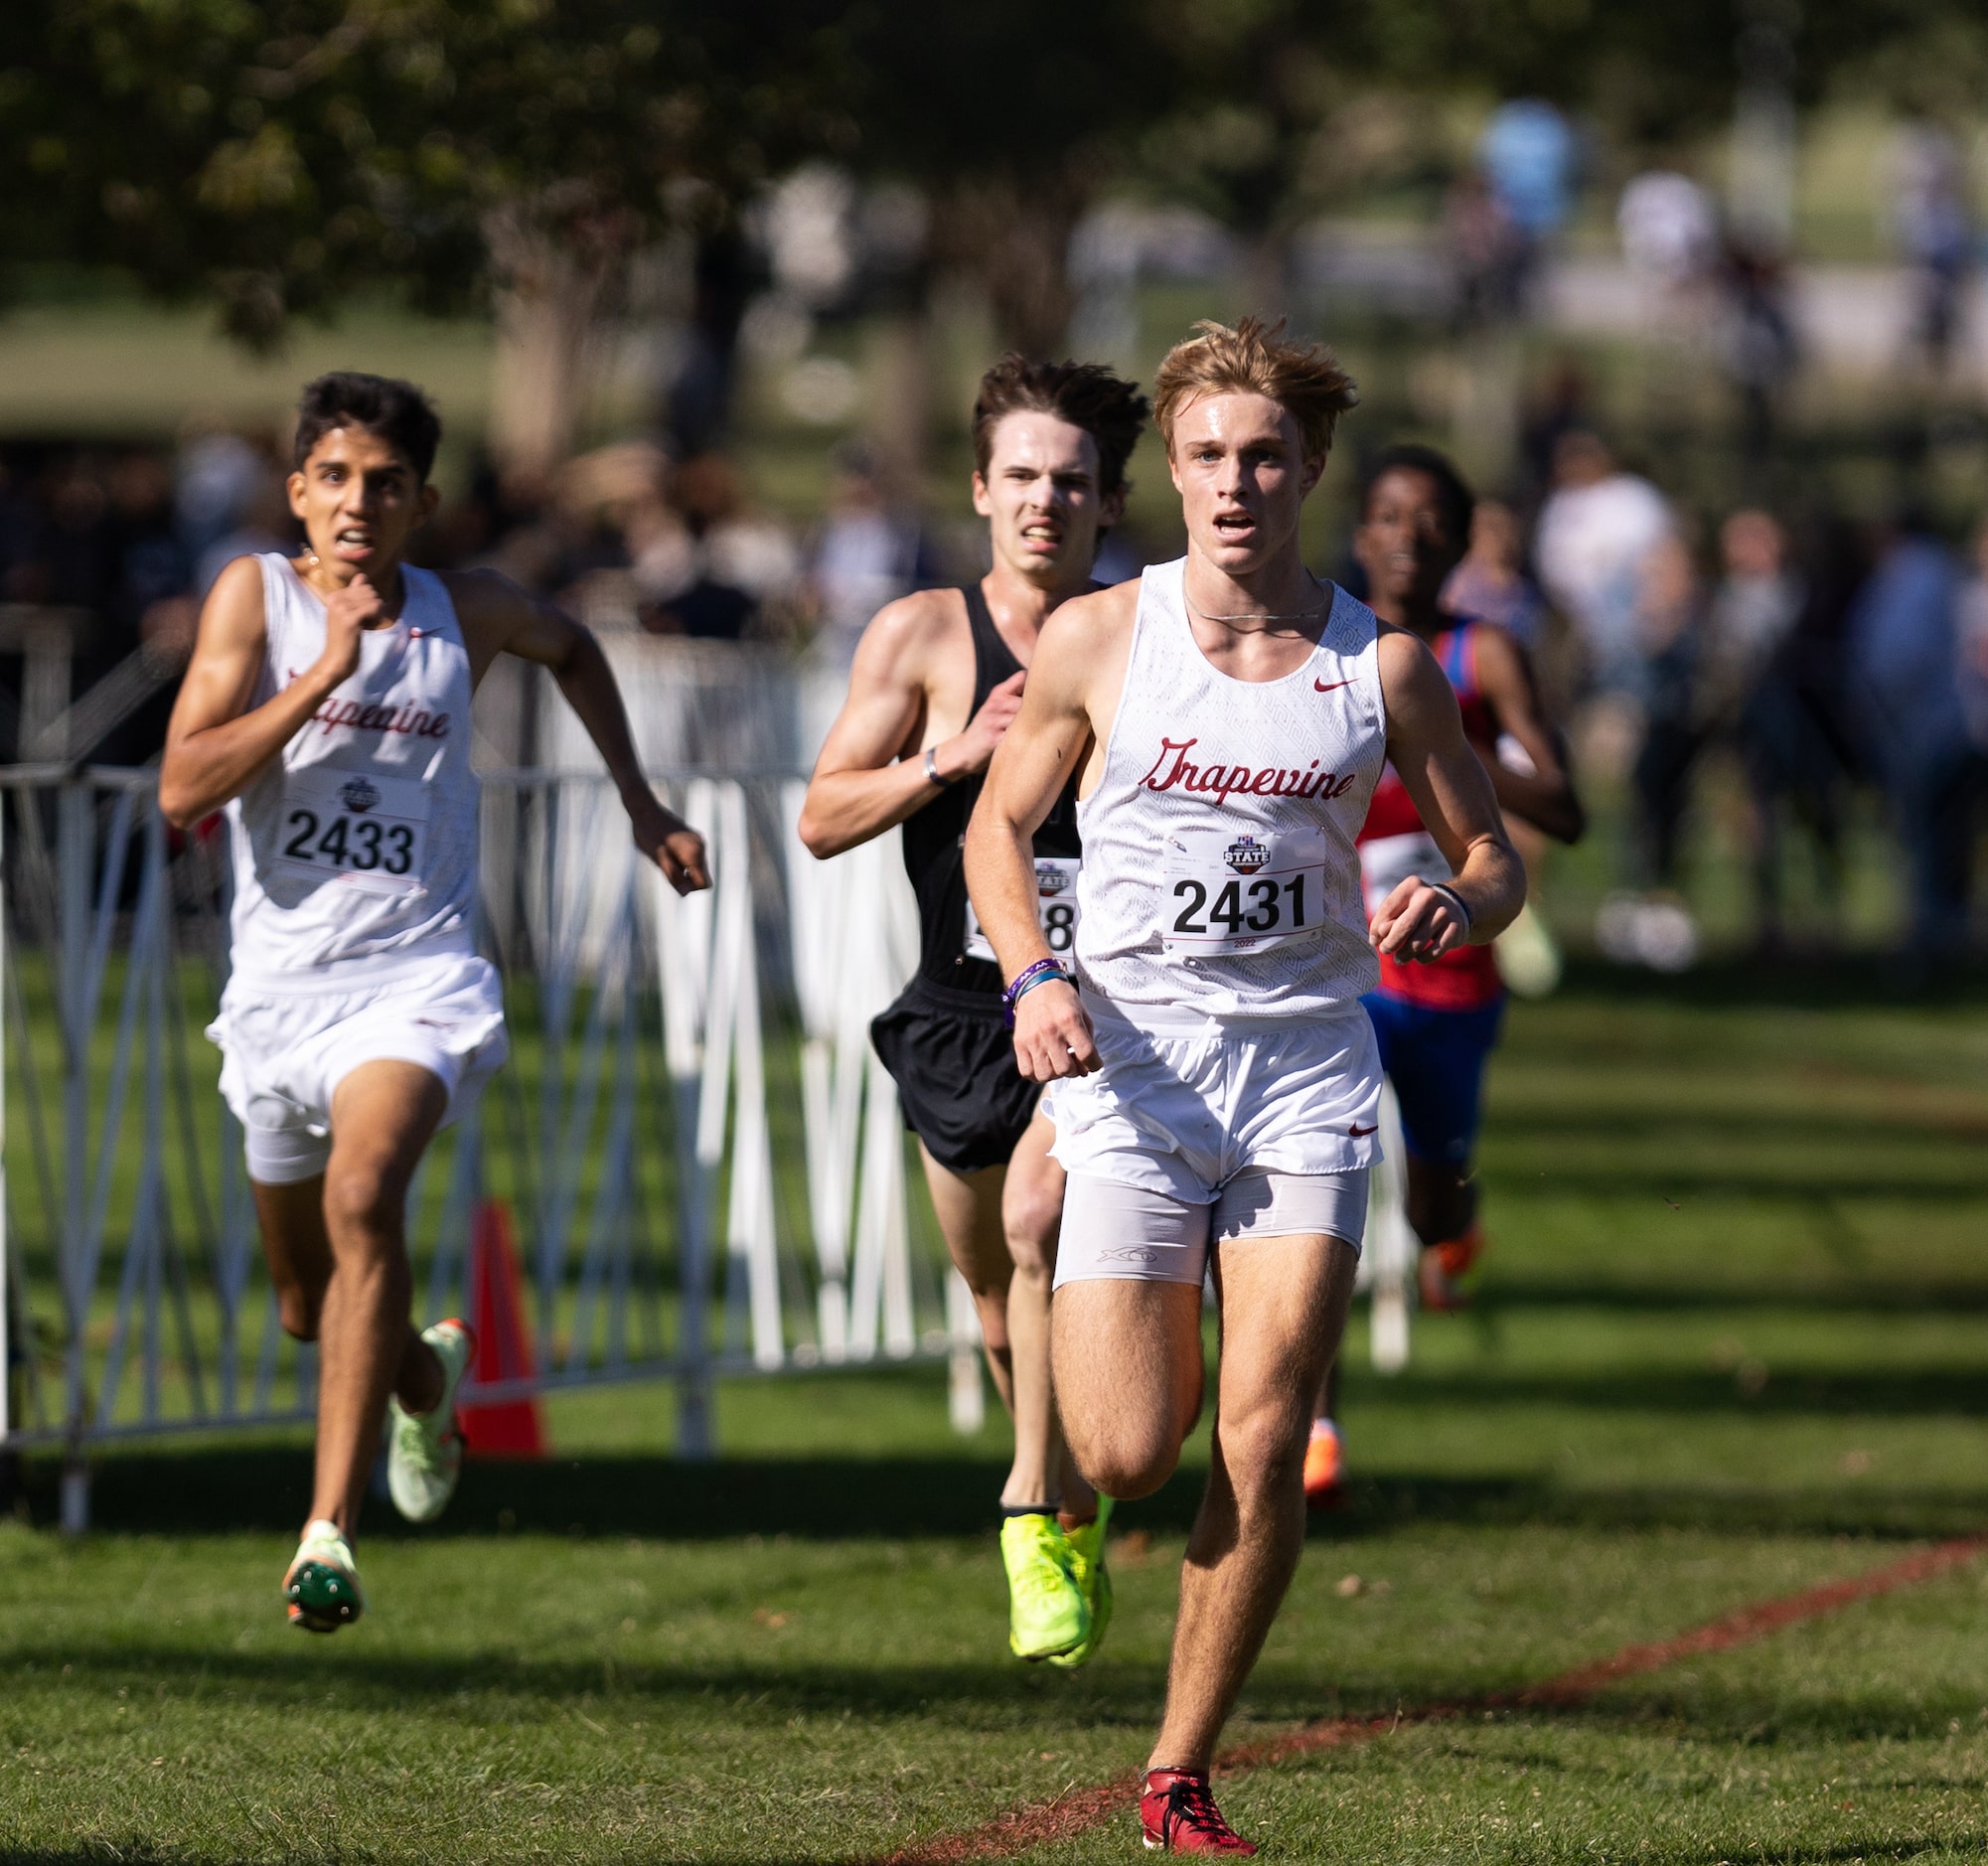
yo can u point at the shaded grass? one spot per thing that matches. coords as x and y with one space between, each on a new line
724 1702
1729 1345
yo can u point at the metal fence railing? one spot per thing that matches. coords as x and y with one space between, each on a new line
700 1150
701 1155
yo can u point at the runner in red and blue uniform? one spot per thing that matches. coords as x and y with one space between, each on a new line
1438 1022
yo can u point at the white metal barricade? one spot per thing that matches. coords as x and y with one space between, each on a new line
705 1162
701 1152
1388 1263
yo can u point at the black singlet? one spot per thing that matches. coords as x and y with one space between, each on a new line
935 837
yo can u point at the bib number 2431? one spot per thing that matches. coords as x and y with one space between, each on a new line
1242 893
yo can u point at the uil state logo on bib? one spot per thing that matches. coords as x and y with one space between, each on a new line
1056 907
358 795
1246 855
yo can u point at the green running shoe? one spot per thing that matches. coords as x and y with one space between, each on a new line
424 1452
1087 1551
1047 1612
322 1582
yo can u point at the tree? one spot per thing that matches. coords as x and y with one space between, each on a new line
278 159
1010 118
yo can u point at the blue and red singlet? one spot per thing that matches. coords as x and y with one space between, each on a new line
1395 843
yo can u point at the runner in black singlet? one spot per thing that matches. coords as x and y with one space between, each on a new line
935 682
945 1039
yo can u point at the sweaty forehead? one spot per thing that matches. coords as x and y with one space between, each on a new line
1235 417
1035 438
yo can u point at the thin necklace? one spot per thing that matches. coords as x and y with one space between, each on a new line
1303 615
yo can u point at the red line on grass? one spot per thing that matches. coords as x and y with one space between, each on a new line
1079 1809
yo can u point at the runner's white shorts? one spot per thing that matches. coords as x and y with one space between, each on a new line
1186 1138
284 1053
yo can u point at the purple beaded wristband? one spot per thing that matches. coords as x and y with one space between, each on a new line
1026 979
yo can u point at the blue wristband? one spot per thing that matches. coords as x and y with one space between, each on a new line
1025 981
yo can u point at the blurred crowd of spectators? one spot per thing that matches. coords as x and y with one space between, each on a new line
119 545
1817 653
1812 654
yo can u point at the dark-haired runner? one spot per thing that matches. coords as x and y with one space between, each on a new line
327 706
1437 1023
935 682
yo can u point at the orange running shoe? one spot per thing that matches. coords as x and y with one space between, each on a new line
1324 1467
1443 1267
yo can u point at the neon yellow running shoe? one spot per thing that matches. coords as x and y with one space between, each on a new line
1047 1612
321 1583
1087 1550
424 1452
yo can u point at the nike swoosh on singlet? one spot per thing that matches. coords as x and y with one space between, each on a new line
1359 1133
1325 687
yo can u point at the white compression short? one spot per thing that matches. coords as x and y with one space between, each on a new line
283 1054
1189 1137
1113 1230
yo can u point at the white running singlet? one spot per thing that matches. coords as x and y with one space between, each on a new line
1220 879
355 852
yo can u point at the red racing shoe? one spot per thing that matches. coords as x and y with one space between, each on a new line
1177 1815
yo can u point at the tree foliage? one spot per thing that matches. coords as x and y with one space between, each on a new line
280 155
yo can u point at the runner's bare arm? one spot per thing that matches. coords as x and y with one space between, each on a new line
499 618
216 744
1451 791
871 775
1046 743
1544 796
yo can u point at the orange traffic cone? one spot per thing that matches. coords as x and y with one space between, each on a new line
511 1428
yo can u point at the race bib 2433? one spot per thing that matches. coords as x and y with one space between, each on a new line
353 828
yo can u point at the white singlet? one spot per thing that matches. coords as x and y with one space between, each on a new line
1222 953
356 849
1220 881
355 883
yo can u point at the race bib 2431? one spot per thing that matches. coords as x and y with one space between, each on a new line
1226 892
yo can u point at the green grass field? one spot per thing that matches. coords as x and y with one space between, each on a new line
1731 1343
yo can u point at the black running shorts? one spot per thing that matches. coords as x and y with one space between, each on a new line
954 1062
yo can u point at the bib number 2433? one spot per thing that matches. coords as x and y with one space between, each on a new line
351 827
1242 893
